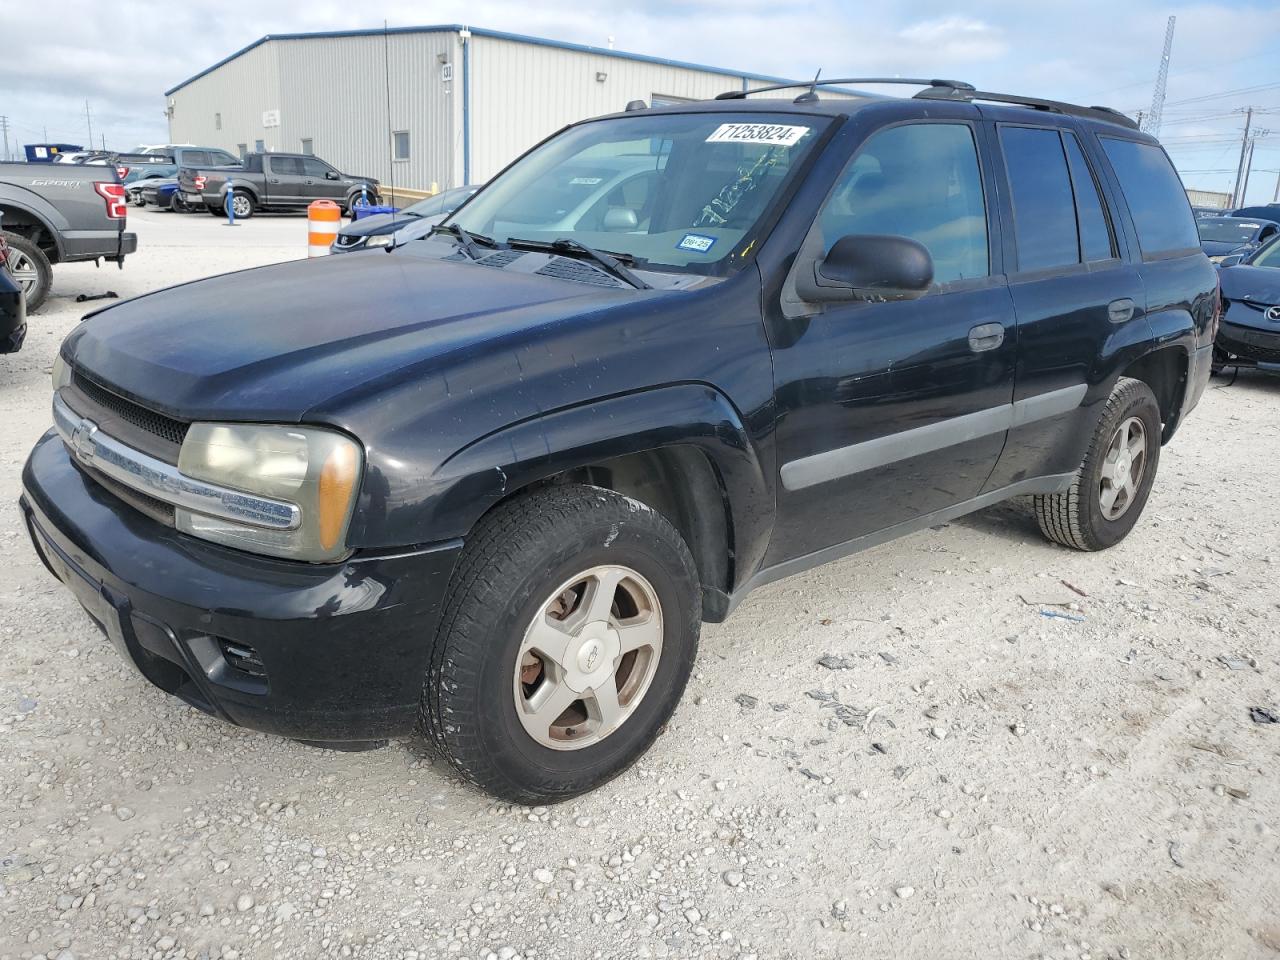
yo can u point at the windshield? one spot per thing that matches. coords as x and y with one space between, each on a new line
1236 231
682 192
1268 256
445 202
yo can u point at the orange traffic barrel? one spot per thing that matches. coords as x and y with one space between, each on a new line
324 217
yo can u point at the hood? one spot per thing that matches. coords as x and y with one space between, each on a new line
1256 284
379 223
1221 248
271 343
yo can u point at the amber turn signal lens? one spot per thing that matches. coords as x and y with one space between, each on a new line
337 483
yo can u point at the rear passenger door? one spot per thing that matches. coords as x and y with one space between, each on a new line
1077 294
284 181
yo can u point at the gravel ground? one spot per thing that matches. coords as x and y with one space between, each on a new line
962 776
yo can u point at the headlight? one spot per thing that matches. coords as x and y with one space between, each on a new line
381 240
61 373
318 470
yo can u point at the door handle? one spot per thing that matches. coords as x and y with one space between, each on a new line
1120 311
986 336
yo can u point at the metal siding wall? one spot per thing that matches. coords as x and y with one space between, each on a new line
346 116
241 91
522 92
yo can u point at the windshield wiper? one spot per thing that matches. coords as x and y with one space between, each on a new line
612 263
468 240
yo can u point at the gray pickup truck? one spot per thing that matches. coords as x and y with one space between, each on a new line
60 213
273 181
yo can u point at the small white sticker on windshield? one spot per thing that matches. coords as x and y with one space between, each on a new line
777 134
585 181
696 242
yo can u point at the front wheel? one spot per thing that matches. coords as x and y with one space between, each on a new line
569 632
1113 482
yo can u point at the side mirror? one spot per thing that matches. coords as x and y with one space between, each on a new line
331 175
620 219
1232 260
869 267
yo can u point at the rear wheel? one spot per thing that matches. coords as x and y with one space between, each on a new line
30 269
241 205
568 635
176 203
1113 482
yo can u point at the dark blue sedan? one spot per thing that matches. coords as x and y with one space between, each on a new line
1222 237
1249 335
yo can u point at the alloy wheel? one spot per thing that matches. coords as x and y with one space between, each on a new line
1122 468
588 658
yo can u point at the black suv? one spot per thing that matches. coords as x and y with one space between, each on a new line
665 357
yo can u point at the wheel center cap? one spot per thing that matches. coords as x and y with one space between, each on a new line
1123 464
589 655
591 664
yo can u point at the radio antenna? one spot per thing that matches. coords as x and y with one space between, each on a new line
391 145
812 95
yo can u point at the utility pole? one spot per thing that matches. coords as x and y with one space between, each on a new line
89 121
4 128
1162 79
1237 198
1275 197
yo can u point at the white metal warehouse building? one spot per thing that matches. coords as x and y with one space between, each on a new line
463 102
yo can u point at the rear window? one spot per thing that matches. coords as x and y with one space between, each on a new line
1154 195
1044 213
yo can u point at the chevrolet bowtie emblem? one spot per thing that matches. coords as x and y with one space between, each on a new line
82 439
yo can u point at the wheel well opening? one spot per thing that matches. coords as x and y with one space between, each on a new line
14 220
1165 372
681 484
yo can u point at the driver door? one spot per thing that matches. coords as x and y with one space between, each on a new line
890 411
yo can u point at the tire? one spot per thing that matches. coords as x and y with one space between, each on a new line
354 201
214 211
31 269
506 590
242 204
1082 518
176 205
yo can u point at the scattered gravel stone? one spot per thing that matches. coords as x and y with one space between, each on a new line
746 701
543 875
244 902
733 878
124 813
832 662
905 893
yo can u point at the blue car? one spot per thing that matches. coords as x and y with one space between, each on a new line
164 194
1223 237
1249 335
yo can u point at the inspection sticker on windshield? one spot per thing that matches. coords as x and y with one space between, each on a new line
777 134
696 243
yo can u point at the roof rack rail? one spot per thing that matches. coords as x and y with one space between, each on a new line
1106 114
743 94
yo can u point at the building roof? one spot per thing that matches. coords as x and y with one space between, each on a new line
481 32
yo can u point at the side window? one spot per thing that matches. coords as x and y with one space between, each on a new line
314 168
1095 234
196 158
1157 203
1044 213
286 166
222 158
918 180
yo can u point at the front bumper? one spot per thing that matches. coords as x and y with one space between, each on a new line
339 651
1253 345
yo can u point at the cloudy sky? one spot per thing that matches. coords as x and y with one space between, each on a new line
121 56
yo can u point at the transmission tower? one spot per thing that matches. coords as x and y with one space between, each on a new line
1152 124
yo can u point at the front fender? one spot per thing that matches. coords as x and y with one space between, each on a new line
448 503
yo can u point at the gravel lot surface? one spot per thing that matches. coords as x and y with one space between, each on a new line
961 776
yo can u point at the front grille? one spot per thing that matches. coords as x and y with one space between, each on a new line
345 240
157 510
1258 345
157 424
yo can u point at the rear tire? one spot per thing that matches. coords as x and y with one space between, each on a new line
530 578
1111 486
30 268
242 204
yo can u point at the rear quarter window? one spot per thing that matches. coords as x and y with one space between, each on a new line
1154 195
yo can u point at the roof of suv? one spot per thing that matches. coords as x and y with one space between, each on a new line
812 100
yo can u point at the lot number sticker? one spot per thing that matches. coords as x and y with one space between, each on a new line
776 134
696 243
